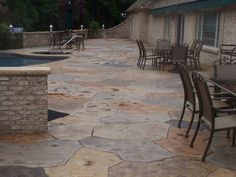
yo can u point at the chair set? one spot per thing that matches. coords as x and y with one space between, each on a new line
208 110
165 53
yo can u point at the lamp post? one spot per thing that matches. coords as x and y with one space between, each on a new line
81 27
11 28
50 28
103 26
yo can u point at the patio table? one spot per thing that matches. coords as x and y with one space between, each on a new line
226 85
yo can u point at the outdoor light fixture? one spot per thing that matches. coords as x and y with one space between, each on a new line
103 26
50 27
11 28
81 27
123 14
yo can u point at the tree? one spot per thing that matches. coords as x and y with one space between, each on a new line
36 15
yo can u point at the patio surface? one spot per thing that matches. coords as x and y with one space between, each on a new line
121 123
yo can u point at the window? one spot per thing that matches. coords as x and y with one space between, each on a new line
167 27
208 28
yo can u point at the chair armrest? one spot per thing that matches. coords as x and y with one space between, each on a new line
229 111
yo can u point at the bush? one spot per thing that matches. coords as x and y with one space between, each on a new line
4 27
94 25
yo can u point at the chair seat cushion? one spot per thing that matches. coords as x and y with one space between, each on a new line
220 104
225 122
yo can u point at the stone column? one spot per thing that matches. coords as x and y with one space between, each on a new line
23 99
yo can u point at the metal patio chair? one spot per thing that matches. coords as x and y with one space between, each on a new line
191 51
196 57
190 100
207 114
178 55
155 58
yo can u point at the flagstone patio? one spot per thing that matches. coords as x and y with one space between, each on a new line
121 123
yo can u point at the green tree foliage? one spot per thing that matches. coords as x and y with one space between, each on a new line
36 15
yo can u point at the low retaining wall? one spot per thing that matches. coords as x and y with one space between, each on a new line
37 39
120 31
23 105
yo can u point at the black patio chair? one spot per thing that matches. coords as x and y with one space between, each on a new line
207 114
190 100
155 58
191 51
196 58
140 53
178 55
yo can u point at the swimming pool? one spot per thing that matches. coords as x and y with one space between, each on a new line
13 60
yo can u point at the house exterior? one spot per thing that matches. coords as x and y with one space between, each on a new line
212 21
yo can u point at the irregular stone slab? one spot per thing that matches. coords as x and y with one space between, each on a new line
117 82
85 163
220 172
22 172
131 150
26 138
132 131
71 131
178 144
224 155
43 154
171 100
65 103
184 124
127 118
78 118
139 107
176 167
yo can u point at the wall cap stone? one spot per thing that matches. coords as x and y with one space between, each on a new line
25 71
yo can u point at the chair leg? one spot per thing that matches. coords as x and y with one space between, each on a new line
144 63
182 114
190 123
208 146
196 131
234 134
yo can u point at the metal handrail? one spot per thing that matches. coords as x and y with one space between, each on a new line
69 41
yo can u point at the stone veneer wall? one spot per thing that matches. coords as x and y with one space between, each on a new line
23 101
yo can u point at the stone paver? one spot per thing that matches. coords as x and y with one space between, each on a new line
85 163
22 172
224 155
178 144
43 154
72 131
26 138
176 167
223 173
131 150
132 131
127 117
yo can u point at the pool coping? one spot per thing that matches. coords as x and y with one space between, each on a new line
25 71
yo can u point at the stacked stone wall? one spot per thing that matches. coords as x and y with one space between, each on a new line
23 103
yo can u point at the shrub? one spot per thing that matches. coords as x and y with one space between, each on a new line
94 25
4 27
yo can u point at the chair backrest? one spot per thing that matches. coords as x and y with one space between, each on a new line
198 49
194 44
179 53
187 84
139 47
142 48
163 44
205 102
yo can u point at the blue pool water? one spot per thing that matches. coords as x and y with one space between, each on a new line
10 60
